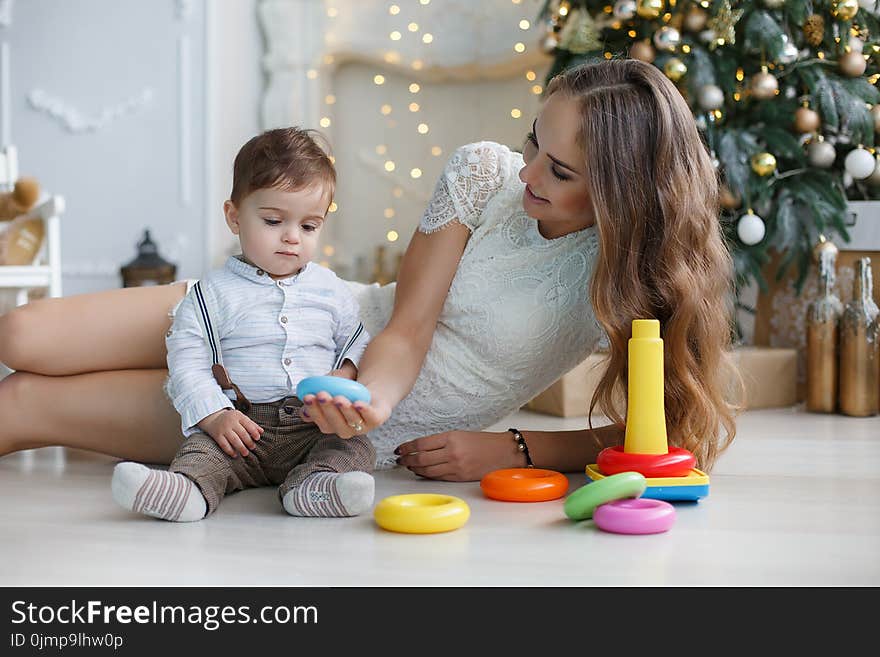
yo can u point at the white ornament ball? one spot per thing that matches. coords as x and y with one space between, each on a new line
821 154
856 45
859 163
773 4
710 97
750 229
624 9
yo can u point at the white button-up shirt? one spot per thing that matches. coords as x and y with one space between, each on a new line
272 334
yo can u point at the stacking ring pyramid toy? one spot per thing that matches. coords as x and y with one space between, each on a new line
669 471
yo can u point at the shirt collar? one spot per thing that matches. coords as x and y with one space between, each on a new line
238 265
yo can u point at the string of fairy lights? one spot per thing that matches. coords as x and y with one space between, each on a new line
406 23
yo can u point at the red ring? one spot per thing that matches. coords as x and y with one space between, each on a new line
524 485
677 463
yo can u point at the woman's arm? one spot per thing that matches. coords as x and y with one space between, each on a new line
392 361
469 455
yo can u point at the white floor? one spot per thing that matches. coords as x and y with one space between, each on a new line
794 502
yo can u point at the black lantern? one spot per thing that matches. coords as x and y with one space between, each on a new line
148 268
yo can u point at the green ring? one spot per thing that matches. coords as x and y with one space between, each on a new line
581 503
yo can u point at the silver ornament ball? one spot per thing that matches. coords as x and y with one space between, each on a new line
764 85
667 38
821 154
624 9
710 97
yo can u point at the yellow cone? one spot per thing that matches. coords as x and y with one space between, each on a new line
645 417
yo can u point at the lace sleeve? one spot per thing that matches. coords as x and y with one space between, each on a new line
473 175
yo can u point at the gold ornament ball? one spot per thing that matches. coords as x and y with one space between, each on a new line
651 9
643 51
875 112
806 120
763 164
844 9
764 85
729 200
675 69
695 19
852 64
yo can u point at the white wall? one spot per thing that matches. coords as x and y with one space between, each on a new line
235 82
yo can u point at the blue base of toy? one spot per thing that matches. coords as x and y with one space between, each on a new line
689 488
333 385
676 493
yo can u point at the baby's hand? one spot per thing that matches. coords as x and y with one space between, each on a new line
347 371
232 430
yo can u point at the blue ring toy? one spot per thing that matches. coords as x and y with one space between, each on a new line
334 385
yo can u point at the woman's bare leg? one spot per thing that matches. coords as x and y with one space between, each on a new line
120 413
110 330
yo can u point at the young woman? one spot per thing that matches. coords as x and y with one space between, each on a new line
519 266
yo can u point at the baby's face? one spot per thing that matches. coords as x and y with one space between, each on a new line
278 230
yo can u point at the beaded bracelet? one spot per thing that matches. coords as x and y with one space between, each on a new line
521 446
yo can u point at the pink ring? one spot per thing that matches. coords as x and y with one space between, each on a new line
638 516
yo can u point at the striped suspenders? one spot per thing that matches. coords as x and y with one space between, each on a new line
219 371
220 374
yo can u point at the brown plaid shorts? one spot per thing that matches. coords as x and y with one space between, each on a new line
288 451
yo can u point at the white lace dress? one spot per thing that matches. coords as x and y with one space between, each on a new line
517 316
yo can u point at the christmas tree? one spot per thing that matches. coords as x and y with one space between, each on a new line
783 92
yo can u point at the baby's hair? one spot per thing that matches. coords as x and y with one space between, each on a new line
290 159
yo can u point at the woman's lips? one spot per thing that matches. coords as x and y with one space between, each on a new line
532 197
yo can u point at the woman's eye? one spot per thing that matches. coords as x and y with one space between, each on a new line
557 174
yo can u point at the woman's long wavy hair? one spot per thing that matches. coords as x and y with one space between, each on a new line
662 255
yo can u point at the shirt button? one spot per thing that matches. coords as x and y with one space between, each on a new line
287 361
260 272
284 319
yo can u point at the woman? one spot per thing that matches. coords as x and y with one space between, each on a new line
517 268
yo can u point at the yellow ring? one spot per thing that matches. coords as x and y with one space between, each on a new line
421 513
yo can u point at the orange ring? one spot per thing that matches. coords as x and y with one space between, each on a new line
678 462
524 485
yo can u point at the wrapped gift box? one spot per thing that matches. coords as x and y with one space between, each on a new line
769 376
571 394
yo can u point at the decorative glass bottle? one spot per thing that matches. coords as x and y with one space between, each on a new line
859 344
823 323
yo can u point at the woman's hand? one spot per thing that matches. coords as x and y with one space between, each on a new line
460 455
338 415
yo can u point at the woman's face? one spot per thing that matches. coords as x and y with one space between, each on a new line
556 184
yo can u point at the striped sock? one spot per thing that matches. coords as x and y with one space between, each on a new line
157 493
331 495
